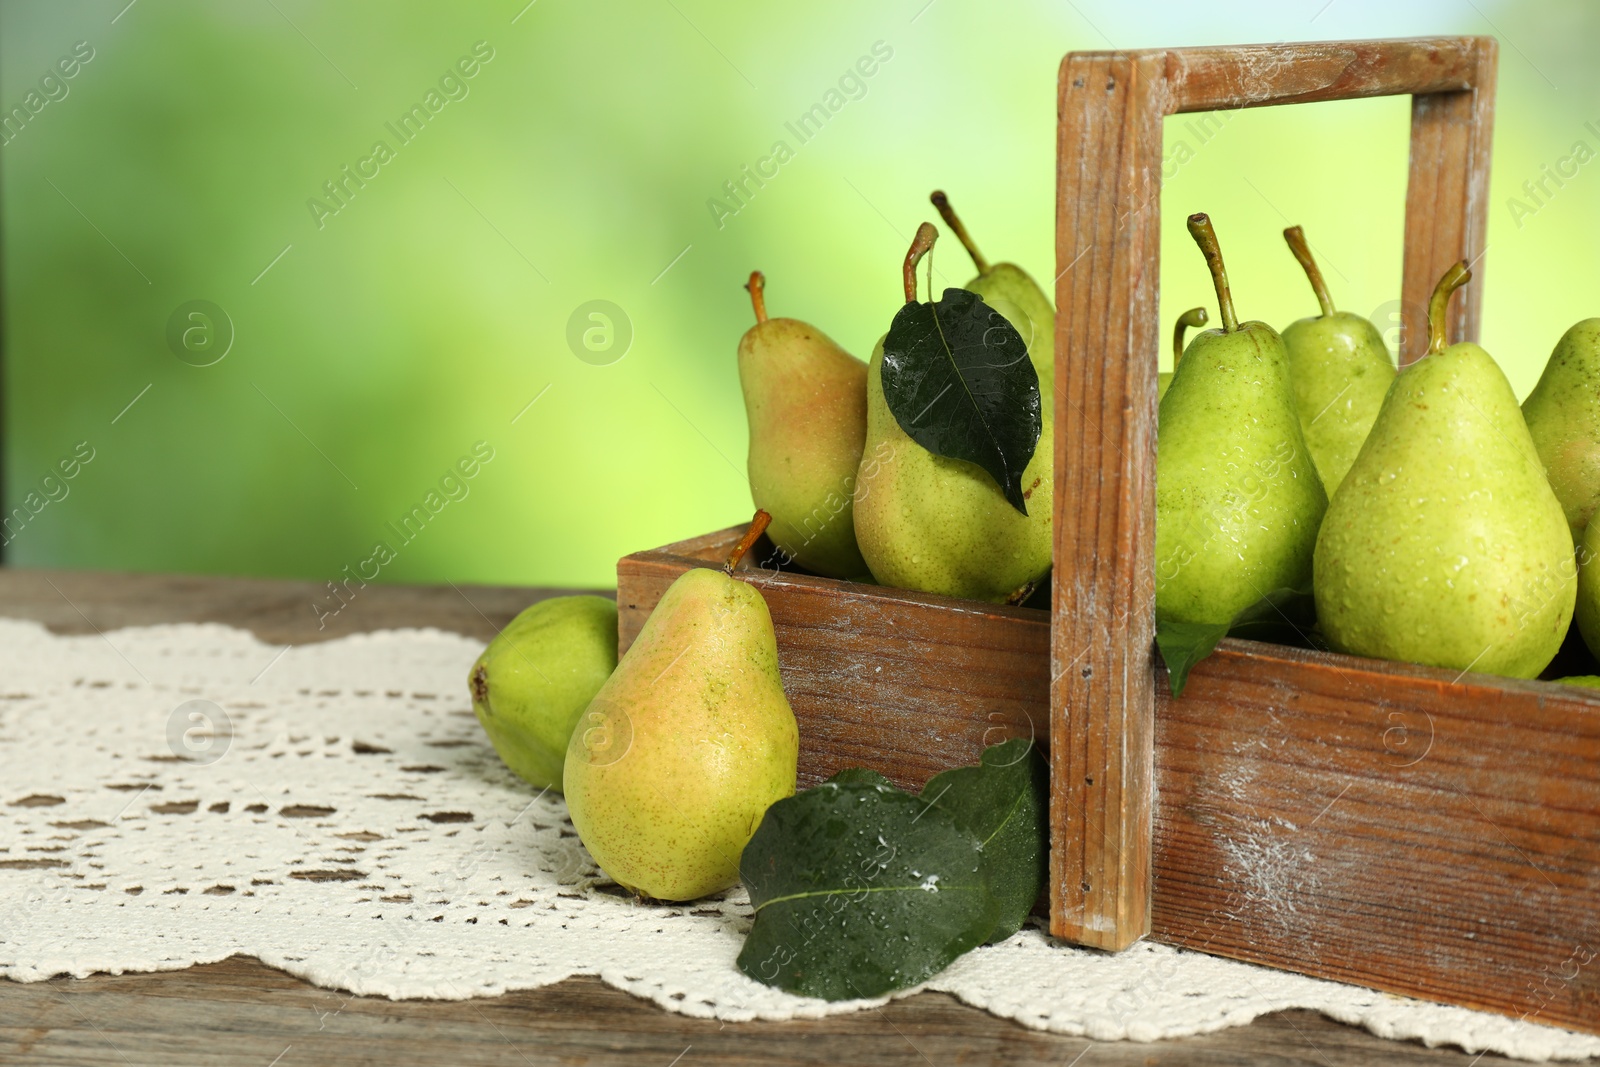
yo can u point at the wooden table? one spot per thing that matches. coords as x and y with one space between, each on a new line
242 1012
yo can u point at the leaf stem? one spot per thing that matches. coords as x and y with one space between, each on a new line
952 220
1302 252
1454 278
758 299
920 245
1195 317
758 526
1206 237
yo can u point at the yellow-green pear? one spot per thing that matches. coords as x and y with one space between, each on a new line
942 525
806 402
1563 414
1341 370
684 748
1194 317
1012 291
537 676
1238 501
1445 544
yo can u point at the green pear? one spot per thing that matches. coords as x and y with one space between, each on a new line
942 525
1563 414
1195 317
1445 544
1587 681
1012 291
686 745
1238 501
1587 613
806 402
1341 370
536 677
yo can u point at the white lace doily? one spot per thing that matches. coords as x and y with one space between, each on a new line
174 795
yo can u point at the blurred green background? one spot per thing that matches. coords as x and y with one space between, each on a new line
372 348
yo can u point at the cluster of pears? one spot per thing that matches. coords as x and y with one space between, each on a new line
668 758
1417 506
851 495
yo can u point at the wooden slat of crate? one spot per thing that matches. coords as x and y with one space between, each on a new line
1400 827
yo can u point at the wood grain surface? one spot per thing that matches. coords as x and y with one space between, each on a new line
1447 201
1102 699
1430 832
240 1013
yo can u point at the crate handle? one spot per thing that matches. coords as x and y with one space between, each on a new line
1103 696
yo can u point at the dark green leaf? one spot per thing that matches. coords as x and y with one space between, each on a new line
1003 801
852 775
957 378
1283 616
859 890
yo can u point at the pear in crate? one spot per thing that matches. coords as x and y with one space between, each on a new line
1563 415
1195 318
1587 613
1341 370
806 401
1445 544
942 525
684 748
537 676
1238 500
1012 291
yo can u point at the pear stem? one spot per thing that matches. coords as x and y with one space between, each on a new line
758 526
1302 251
920 246
1453 279
758 297
1206 237
1195 317
952 220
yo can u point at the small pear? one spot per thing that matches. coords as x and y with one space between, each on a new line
537 676
1445 544
1194 317
806 401
942 525
1238 501
1011 291
1563 414
1341 370
688 743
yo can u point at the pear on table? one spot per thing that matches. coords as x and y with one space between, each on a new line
806 402
681 752
1563 415
536 678
1445 544
1340 369
1238 500
942 525
1012 291
1194 318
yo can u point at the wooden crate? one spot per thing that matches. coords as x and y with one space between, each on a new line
1410 829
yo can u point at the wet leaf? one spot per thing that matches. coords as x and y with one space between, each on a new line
957 378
